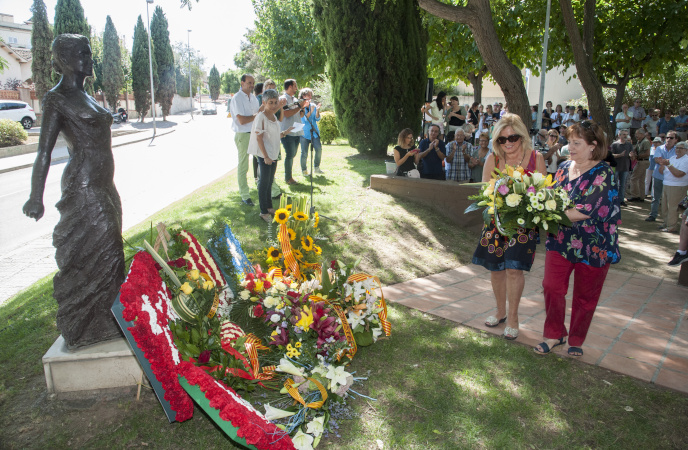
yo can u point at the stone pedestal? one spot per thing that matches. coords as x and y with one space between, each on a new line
106 365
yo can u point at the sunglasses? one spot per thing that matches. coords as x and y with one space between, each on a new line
552 134
501 140
671 137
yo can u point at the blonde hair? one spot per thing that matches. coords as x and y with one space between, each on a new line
519 127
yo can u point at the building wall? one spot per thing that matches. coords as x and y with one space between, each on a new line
16 69
15 34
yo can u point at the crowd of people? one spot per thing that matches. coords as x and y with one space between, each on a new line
262 120
647 158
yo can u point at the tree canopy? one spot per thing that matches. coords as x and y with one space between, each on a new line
164 58
69 18
248 60
140 70
182 52
231 82
214 83
112 74
41 40
287 40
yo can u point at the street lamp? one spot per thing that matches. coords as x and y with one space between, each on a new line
188 44
150 61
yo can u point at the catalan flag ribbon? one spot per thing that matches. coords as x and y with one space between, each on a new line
294 392
386 325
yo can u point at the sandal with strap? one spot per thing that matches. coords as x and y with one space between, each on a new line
510 333
492 321
575 351
546 348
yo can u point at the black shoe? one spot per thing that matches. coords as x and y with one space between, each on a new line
248 202
678 259
624 204
650 219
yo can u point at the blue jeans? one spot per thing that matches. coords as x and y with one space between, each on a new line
291 146
265 179
657 188
623 181
317 147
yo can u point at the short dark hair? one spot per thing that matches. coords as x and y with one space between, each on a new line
258 88
244 76
592 134
288 83
454 97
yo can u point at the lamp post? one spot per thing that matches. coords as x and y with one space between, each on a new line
188 44
543 70
150 62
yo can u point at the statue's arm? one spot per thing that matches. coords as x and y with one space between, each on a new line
50 129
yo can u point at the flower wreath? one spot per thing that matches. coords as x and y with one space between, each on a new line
146 301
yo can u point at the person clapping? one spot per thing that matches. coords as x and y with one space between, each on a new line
406 155
432 152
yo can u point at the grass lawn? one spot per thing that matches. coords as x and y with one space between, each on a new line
437 385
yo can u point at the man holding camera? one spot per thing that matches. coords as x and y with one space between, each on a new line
291 115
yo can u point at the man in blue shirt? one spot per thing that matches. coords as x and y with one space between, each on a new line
432 152
666 123
665 151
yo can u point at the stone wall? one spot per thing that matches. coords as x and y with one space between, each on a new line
446 197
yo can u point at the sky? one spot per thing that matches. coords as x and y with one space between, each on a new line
217 26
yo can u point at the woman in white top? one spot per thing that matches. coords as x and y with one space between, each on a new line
556 117
265 144
436 111
623 120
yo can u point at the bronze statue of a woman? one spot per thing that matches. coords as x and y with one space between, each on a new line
88 237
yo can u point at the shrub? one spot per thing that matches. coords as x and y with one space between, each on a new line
11 133
328 127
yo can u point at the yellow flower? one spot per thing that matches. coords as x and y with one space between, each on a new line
549 181
274 253
298 344
300 216
281 215
316 220
194 274
317 250
289 208
297 254
306 318
208 285
259 286
186 288
307 243
292 234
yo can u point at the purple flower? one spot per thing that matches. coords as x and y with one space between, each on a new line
577 243
603 211
589 229
583 184
531 189
503 189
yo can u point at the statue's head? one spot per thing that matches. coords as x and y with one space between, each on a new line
72 53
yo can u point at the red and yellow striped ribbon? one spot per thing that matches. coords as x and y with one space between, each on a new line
345 326
386 325
252 345
289 259
289 384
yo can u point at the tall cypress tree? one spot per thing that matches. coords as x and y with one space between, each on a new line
140 70
41 40
377 60
214 83
113 77
164 57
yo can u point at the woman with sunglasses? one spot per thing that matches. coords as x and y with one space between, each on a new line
552 155
506 257
588 247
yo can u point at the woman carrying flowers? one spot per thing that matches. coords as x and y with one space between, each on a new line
586 248
508 256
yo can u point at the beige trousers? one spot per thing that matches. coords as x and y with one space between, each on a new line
671 196
636 185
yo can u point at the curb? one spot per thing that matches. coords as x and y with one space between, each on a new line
65 158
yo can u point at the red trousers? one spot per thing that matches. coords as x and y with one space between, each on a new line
587 285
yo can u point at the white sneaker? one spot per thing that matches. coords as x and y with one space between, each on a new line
318 171
305 173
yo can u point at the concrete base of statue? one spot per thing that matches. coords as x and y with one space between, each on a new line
95 369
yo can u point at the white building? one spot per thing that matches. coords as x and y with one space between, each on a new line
15 48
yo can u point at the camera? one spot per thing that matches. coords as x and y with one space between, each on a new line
297 104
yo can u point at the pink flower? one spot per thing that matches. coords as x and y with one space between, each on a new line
603 211
598 180
583 184
204 357
589 229
531 189
503 189
576 243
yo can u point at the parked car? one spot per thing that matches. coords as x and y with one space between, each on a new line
18 111
210 108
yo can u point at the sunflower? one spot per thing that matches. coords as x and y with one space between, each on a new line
300 216
316 220
297 254
292 234
281 215
274 253
289 207
317 249
307 243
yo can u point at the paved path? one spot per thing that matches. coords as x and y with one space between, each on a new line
640 327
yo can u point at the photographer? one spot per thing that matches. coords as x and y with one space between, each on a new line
432 153
310 115
290 115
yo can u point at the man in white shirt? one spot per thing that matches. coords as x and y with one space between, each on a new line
675 170
244 107
637 112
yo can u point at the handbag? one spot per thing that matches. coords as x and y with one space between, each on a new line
683 204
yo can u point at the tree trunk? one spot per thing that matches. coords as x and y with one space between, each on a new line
582 56
476 80
620 88
477 15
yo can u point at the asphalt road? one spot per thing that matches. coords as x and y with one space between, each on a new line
148 178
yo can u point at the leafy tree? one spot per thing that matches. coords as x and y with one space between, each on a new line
113 76
288 25
140 70
41 40
97 54
231 82
181 62
377 62
248 60
214 83
164 57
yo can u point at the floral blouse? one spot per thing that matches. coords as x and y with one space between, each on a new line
593 241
